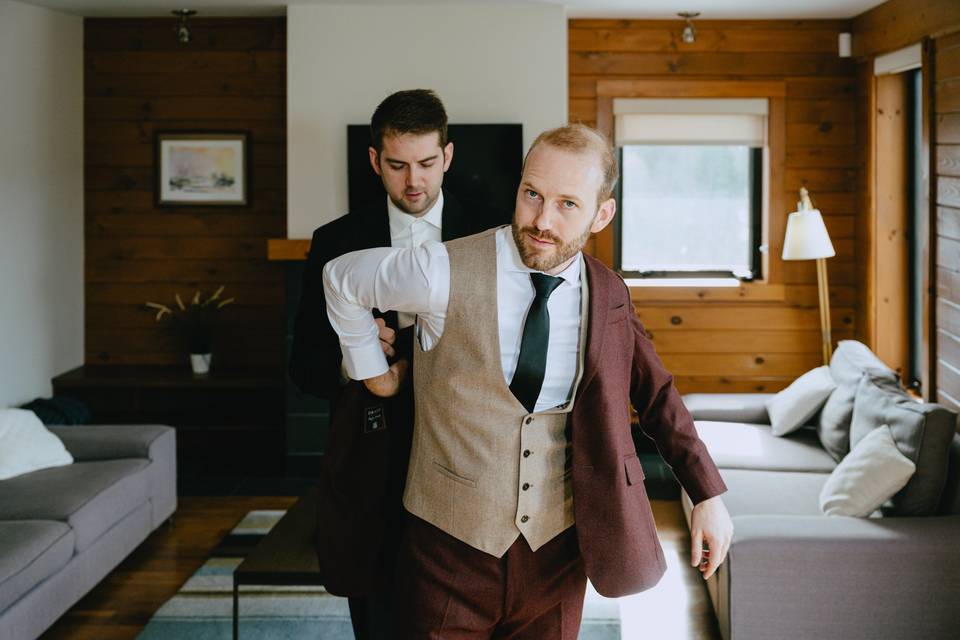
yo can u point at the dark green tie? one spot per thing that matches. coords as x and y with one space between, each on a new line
528 378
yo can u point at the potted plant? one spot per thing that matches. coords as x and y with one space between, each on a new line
195 324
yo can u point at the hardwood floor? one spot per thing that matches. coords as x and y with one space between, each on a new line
120 606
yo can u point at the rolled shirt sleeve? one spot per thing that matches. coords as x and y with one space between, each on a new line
412 280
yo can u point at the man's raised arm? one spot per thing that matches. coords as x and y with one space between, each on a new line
413 280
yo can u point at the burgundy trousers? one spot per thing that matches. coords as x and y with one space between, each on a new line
447 589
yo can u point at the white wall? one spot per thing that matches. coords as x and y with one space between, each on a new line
489 63
41 199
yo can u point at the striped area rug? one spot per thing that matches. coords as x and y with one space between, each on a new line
203 607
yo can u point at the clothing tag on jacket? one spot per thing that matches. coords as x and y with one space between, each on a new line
374 419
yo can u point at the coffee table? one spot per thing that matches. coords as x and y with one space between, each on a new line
286 556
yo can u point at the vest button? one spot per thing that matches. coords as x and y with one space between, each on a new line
529 420
526 485
524 518
526 454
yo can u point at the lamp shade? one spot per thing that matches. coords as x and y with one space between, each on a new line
807 237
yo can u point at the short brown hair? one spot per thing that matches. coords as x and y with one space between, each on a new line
579 137
416 111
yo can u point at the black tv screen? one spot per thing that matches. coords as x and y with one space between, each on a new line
484 174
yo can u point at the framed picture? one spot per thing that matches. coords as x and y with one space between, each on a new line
201 169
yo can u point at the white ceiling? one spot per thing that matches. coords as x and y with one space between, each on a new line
650 9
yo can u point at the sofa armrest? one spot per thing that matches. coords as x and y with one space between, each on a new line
839 577
110 441
728 407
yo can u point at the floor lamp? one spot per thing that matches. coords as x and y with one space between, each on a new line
807 239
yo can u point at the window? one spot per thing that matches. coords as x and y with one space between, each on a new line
691 195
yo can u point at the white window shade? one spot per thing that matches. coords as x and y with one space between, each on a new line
899 61
690 121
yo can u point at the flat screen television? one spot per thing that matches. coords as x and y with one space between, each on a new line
484 174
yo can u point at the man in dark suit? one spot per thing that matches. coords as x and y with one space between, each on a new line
523 480
361 485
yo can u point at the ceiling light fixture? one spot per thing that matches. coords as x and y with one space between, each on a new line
689 34
183 31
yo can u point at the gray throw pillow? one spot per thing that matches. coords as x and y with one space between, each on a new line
849 362
874 471
922 431
792 407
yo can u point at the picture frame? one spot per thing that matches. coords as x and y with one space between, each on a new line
202 169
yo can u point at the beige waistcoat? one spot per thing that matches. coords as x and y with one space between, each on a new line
483 469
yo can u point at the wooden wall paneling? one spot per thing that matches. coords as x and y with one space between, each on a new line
776 216
945 207
899 23
737 339
866 131
892 219
140 80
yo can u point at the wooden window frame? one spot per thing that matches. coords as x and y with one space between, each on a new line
771 286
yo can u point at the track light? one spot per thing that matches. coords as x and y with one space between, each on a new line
689 34
183 31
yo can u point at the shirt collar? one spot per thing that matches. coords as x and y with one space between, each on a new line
400 221
570 275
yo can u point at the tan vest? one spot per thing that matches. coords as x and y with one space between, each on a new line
483 469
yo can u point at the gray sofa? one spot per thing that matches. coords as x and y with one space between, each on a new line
63 529
793 572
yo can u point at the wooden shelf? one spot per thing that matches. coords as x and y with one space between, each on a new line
229 421
282 249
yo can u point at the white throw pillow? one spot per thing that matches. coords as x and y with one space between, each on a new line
26 445
792 407
867 477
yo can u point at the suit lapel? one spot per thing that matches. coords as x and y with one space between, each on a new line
453 219
373 228
596 319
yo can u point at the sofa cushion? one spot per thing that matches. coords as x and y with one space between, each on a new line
88 496
849 362
923 433
30 552
791 408
728 407
752 493
736 445
867 477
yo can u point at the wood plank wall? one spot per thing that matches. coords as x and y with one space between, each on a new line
946 178
748 346
139 79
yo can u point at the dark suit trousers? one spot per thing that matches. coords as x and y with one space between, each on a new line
372 615
447 589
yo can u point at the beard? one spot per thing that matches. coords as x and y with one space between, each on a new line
422 205
547 258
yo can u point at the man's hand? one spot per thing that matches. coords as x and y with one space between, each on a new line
710 524
387 337
388 383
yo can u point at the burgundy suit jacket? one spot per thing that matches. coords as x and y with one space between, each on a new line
615 526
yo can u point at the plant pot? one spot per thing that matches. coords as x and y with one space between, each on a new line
200 363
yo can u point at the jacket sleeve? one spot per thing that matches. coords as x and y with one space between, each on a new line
314 363
666 421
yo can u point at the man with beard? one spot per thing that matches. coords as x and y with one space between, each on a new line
523 478
364 468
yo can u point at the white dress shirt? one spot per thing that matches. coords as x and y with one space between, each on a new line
407 231
417 280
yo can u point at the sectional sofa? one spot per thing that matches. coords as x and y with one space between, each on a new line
793 572
64 528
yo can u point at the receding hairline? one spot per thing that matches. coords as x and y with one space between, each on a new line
580 139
